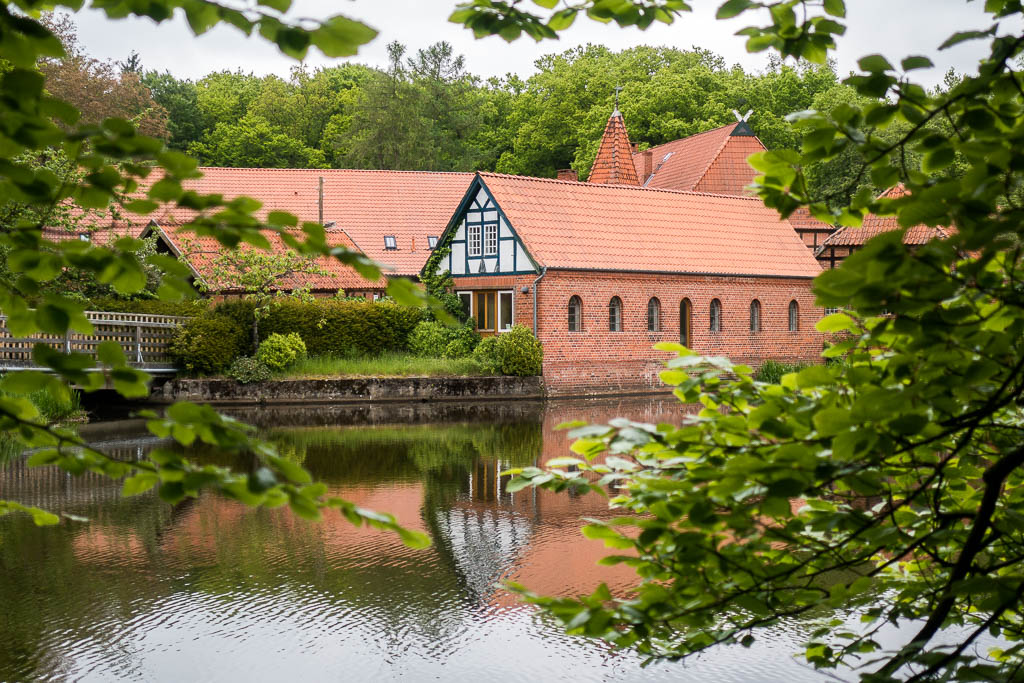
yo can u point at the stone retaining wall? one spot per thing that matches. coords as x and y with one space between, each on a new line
349 390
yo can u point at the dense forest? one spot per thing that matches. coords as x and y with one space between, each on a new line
428 111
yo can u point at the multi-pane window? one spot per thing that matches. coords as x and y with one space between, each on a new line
755 316
575 314
474 240
794 316
615 314
653 315
491 239
715 316
684 322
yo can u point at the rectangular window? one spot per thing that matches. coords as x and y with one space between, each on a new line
474 240
491 239
467 303
432 241
485 310
390 242
506 311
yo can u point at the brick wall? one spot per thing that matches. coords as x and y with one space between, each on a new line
596 360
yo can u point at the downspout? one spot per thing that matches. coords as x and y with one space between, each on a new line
543 272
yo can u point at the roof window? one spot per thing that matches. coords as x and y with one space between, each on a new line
390 242
432 241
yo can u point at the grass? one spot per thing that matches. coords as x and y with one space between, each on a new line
390 364
771 371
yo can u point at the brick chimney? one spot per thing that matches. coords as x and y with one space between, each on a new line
568 174
634 147
648 165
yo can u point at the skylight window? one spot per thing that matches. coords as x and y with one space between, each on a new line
432 241
390 242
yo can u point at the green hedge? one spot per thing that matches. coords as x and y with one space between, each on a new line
207 344
338 328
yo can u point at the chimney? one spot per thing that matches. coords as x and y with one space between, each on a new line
568 174
648 165
634 147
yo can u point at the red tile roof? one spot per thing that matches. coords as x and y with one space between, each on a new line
681 164
201 252
614 227
367 205
873 225
99 235
614 163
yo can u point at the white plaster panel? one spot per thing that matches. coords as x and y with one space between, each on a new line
474 265
460 234
507 250
490 216
458 258
473 216
522 260
482 197
491 264
504 230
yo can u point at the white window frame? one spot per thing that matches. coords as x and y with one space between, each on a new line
432 242
490 234
390 242
459 294
474 240
497 320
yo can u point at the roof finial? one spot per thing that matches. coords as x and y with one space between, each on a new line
618 89
742 119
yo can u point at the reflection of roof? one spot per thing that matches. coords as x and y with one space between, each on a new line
874 225
615 227
411 205
201 252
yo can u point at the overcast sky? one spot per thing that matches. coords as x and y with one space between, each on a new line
895 28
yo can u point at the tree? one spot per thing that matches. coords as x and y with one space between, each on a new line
887 483
41 77
252 142
180 99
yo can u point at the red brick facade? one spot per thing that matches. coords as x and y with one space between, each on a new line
597 360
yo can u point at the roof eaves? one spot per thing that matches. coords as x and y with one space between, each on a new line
175 249
682 272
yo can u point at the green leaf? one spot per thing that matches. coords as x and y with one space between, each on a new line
341 37
731 8
875 63
916 62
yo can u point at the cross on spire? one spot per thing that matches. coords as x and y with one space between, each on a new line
618 89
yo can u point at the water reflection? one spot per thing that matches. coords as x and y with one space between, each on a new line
210 590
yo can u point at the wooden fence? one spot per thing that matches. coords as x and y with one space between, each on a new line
143 338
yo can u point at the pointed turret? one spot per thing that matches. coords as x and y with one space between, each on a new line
614 162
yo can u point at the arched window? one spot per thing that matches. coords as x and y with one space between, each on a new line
615 314
575 314
715 315
755 316
794 316
684 322
653 315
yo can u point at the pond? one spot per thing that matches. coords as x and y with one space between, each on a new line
211 590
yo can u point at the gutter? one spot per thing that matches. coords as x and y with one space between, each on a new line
543 272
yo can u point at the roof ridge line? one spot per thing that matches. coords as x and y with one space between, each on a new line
688 137
334 170
489 174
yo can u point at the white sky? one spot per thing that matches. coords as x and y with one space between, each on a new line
895 28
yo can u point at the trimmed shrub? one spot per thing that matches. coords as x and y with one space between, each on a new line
207 344
339 328
486 354
520 352
248 370
459 347
279 351
429 338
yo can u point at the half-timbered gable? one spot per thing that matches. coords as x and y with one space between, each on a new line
481 241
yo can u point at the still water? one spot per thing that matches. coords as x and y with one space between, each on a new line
209 590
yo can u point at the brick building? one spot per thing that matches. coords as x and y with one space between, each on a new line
603 272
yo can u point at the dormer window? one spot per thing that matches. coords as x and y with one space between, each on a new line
390 242
432 241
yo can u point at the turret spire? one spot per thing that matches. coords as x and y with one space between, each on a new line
613 164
